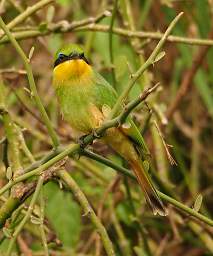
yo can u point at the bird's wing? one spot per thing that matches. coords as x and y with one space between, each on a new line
107 96
104 93
131 131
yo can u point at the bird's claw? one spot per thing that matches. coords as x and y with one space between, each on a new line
95 135
81 141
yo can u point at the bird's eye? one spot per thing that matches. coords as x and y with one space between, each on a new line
61 56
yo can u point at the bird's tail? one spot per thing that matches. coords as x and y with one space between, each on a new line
148 188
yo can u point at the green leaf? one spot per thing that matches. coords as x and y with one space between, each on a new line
35 220
7 232
203 14
31 53
204 89
125 213
9 173
42 27
64 214
146 165
50 13
198 203
159 57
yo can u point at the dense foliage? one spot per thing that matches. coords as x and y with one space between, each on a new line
175 120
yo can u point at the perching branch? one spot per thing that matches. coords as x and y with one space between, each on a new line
76 149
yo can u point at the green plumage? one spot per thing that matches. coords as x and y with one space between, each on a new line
77 96
85 100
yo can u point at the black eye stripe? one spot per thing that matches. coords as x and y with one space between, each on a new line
73 56
85 59
61 58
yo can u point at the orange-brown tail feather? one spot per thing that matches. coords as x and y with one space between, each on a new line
149 190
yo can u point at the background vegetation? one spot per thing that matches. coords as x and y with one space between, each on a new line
176 121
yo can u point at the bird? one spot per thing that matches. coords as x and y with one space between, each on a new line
85 100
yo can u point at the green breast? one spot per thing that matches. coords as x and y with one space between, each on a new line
76 97
74 100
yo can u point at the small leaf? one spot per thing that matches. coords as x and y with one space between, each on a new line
7 232
31 53
35 220
9 173
50 14
198 203
159 57
146 165
126 126
42 27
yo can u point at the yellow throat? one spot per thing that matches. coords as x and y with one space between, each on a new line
72 69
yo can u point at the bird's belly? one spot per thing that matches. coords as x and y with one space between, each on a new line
78 107
83 117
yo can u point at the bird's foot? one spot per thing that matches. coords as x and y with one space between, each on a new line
95 135
81 141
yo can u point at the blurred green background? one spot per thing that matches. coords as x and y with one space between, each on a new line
131 226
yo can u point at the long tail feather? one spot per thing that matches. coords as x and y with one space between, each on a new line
148 188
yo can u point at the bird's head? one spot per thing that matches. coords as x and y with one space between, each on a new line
70 62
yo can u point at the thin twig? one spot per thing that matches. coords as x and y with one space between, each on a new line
76 148
27 216
11 131
187 80
141 35
31 32
146 64
25 14
64 175
111 41
23 192
110 188
31 80
166 198
41 226
169 155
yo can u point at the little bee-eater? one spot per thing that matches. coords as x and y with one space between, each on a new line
85 99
